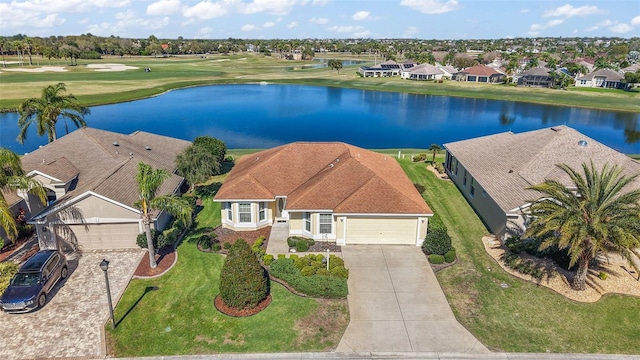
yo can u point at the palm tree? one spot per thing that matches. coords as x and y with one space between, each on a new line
149 180
12 178
435 148
46 110
595 214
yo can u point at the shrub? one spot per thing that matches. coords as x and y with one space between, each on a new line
335 261
291 241
436 223
227 245
216 247
308 271
257 247
206 241
282 256
294 257
7 270
602 275
419 187
450 256
340 271
243 282
267 259
315 285
311 242
437 242
436 259
141 240
439 168
323 272
302 245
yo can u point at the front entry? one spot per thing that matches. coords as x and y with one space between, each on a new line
281 213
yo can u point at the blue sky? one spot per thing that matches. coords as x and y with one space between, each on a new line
285 19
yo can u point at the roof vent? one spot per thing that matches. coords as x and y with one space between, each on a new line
510 171
148 147
331 165
115 143
582 143
556 128
131 154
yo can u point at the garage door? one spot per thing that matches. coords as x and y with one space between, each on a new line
381 231
98 236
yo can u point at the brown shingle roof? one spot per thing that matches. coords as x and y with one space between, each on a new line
481 70
106 162
505 164
325 176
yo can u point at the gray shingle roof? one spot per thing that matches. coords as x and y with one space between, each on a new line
505 164
609 75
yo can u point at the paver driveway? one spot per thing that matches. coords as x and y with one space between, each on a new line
397 305
69 325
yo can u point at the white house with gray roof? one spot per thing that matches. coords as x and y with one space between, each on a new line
493 172
90 178
604 78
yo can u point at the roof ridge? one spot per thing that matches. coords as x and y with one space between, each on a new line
101 180
95 140
314 177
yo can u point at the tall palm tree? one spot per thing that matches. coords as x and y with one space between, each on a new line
597 213
149 180
12 178
435 148
46 110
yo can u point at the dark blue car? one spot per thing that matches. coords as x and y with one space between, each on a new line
29 288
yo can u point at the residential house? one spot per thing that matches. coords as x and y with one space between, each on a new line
448 70
90 178
493 172
534 77
480 74
326 191
423 72
387 68
604 78
631 68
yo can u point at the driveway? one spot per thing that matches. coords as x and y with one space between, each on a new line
397 305
70 324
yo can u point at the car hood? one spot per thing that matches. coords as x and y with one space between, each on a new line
19 293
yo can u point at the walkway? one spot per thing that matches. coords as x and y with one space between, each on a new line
278 239
397 305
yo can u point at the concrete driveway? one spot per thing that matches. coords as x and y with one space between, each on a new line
397 305
70 324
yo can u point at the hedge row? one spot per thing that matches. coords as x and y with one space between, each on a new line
320 286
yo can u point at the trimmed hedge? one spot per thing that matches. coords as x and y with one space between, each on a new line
243 282
315 285
450 256
436 259
437 242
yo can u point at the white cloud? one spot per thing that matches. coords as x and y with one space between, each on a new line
163 7
319 21
248 27
431 6
410 32
361 15
72 6
268 24
570 11
204 10
606 23
274 7
621 28
549 24
292 25
635 20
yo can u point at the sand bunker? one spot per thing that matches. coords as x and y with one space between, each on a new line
38 70
111 67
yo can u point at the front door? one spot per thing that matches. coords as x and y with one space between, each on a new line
281 213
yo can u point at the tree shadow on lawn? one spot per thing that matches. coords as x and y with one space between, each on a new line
146 290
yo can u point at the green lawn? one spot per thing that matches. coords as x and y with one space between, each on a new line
178 317
522 318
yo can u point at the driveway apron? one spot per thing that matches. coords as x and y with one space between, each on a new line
70 324
397 305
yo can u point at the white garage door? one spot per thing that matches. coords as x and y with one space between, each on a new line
381 231
99 236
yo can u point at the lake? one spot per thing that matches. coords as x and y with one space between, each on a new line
262 116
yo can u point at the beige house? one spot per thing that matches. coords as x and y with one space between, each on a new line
493 172
326 191
89 176
604 78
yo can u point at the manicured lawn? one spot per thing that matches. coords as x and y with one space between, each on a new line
178 317
523 317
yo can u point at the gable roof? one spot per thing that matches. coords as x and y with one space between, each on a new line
481 70
105 162
505 164
324 176
426 69
609 75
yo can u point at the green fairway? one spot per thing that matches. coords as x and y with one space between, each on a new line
522 317
101 87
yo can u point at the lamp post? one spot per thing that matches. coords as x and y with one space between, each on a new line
104 265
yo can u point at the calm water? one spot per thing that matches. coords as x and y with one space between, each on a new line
255 116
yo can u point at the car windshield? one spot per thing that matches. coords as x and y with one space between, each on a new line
25 279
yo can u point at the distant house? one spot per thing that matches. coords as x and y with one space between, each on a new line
423 72
631 68
604 78
90 178
325 191
480 74
493 172
535 77
385 69
448 70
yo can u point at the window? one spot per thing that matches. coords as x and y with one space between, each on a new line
262 212
325 223
229 211
464 181
472 191
307 221
244 211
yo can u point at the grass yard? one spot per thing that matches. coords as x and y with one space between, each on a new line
178 316
523 317
94 87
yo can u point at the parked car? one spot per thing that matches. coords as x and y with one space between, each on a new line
29 288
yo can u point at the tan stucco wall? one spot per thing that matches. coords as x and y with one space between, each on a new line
254 225
94 207
295 222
